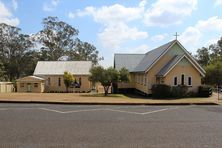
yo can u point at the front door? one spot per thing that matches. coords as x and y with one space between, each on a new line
29 87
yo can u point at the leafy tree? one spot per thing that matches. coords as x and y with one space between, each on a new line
68 79
84 51
214 73
203 56
2 72
13 48
60 39
106 77
210 54
123 75
56 37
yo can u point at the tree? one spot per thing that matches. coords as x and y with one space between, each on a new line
84 51
2 72
214 73
210 54
203 56
56 38
68 79
106 77
123 75
13 48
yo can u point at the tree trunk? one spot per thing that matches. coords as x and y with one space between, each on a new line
106 89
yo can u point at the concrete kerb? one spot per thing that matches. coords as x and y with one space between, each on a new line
106 103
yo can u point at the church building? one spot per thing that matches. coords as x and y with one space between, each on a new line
169 64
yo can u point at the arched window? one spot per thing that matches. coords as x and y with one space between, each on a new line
175 81
182 79
189 81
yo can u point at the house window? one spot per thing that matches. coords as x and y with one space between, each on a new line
49 83
175 81
22 85
35 84
182 79
189 81
59 81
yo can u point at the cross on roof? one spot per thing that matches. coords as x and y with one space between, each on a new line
176 35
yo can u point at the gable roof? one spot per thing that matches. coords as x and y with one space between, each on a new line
170 65
129 61
59 67
173 62
30 79
152 56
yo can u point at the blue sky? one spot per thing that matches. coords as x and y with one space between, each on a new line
123 26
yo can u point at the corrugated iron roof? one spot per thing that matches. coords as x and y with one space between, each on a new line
169 65
59 67
129 61
30 78
151 57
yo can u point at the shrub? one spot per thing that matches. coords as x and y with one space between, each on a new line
205 91
179 91
161 91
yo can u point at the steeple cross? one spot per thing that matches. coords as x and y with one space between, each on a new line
176 35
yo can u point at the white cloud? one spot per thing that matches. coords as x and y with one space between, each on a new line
193 34
6 16
190 36
159 37
14 4
114 35
50 6
140 49
114 19
113 14
168 12
71 15
212 41
218 3
213 23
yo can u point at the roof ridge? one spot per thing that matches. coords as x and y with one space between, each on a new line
129 53
64 61
171 42
151 57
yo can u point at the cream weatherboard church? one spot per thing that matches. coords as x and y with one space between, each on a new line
169 64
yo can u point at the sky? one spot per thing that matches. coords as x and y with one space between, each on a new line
123 26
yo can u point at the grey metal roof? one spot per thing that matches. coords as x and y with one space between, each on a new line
59 67
166 68
151 57
129 61
30 78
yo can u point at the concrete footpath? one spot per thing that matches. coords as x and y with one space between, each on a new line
75 98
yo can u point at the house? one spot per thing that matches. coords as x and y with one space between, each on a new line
6 87
169 64
52 72
30 84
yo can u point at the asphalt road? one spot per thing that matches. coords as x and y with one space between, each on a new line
42 125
